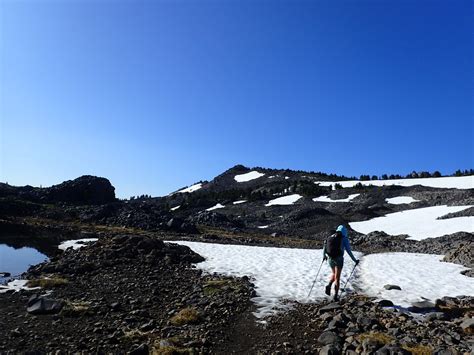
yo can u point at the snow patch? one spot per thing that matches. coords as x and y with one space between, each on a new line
175 208
239 202
192 188
427 278
285 200
76 243
447 182
418 223
16 285
215 207
287 274
327 199
252 175
278 273
262 227
400 200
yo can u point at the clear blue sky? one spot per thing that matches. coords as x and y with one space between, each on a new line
156 95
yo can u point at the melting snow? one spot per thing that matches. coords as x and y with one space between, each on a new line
284 273
16 285
175 208
278 273
248 176
400 200
192 188
285 200
427 277
239 202
215 207
419 223
327 199
76 243
262 227
448 182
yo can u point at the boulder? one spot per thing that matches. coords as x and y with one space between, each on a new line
468 326
392 287
385 303
329 308
422 307
42 305
329 337
331 349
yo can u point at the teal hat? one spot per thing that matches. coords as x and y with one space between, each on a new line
342 229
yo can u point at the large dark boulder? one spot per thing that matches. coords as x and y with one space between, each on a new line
43 305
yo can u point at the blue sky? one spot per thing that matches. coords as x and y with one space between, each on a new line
156 95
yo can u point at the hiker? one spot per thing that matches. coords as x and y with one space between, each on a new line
333 251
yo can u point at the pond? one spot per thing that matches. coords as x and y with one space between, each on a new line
17 261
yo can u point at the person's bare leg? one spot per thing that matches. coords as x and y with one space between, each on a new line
337 280
331 280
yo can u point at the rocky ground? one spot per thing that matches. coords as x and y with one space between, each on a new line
130 293
118 295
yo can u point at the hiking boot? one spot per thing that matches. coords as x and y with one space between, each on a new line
336 298
328 290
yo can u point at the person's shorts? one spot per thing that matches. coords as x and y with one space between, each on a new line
339 262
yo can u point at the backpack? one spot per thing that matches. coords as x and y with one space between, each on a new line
333 245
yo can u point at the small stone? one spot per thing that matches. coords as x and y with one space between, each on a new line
385 303
329 337
392 287
331 349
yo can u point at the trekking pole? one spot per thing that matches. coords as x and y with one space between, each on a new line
352 272
317 274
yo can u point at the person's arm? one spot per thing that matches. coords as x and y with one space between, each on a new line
347 246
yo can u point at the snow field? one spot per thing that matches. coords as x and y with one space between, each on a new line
285 200
252 175
327 199
278 273
400 200
420 276
216 207
419 223
191 188
16 285
239 202
76 243
287 274
447 182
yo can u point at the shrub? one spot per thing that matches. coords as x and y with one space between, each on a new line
377 336
187 315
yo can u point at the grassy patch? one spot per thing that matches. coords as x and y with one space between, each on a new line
214 286
47 282
77 309
135 334
419 349
187 315
170 350
377 336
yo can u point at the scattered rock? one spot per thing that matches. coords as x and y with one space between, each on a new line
392 287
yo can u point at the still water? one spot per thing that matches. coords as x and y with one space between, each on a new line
17 261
